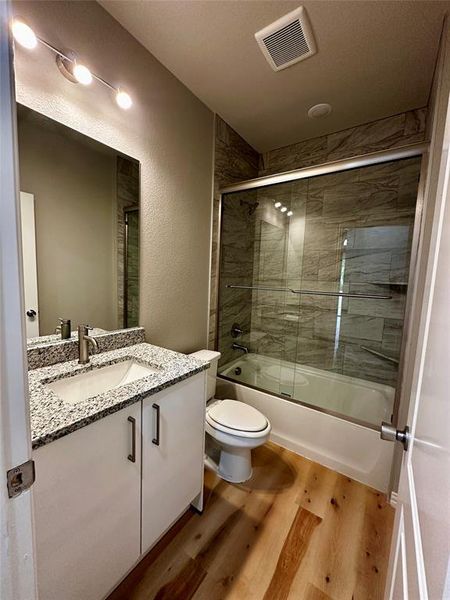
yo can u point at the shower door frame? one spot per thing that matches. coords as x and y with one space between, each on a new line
355 162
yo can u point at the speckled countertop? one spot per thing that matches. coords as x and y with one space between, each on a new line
52 417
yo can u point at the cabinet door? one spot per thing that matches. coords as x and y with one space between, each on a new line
87 509
172 472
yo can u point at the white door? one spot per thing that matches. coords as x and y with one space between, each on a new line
17 577
30 286
420 552
87 500
173 430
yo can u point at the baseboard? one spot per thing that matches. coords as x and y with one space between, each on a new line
393 500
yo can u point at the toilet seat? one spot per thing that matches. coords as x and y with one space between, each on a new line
237 418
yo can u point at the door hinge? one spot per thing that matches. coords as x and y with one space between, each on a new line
20 478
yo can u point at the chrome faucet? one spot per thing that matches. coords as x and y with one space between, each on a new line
239 347
83 344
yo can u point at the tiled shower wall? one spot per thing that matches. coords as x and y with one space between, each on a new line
127 197
269 263
392 132
349 232
234 160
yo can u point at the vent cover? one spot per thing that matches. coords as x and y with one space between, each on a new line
288 40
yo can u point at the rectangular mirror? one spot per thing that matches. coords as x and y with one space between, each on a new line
79 203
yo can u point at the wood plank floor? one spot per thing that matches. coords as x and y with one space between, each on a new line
296 530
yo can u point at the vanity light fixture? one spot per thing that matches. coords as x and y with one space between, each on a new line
67 62
289 213
123 99
277 204
283 209
82 74
23 34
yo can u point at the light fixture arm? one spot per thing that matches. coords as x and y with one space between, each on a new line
65 60
73 60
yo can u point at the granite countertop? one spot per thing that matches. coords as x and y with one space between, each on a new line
52 418
54 338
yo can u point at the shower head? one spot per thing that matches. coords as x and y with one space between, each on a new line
251 206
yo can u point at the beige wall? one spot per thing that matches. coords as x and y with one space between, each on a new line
168 130
74 187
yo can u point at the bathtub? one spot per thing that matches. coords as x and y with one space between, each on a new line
327 417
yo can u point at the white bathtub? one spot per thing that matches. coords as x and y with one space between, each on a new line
329 437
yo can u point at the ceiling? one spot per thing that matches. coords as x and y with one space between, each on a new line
375 59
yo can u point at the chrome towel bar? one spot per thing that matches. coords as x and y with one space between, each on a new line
390 359
308 292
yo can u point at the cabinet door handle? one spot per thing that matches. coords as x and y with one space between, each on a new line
155 440
132 456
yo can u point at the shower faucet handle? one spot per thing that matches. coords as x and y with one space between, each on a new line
236 330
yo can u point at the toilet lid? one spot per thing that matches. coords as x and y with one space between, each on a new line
237 415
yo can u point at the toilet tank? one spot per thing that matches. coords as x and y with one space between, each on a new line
213 358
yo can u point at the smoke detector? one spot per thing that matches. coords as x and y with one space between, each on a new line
318 111
288 40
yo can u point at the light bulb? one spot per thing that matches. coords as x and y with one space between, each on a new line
82 74
283 209
289 213
23 34
277 204
123 100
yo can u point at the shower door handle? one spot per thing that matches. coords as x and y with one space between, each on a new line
390 434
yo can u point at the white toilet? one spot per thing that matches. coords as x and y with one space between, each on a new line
235 426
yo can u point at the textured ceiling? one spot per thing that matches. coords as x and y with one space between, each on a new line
375 58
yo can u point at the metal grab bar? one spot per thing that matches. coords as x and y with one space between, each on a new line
309 292
381 355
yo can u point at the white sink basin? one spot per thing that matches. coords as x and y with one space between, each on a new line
86 385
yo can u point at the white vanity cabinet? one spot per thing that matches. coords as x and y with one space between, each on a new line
87 508
173 436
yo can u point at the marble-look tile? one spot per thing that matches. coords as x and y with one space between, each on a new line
321 235
348 327
393 308
318 353
379 237
303 154
235 160
392 337
360 363
362 266
415 122
400 266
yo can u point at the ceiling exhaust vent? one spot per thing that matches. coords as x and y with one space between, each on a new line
288 40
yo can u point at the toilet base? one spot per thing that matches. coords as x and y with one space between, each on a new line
235 464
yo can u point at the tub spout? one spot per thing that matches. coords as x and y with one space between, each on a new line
243 349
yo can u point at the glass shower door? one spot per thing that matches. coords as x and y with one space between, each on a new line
315 273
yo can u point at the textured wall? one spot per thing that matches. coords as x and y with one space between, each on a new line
168 130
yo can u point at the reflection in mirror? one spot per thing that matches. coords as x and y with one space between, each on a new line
79 206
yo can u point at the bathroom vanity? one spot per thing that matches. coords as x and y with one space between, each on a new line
118 442
113 471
